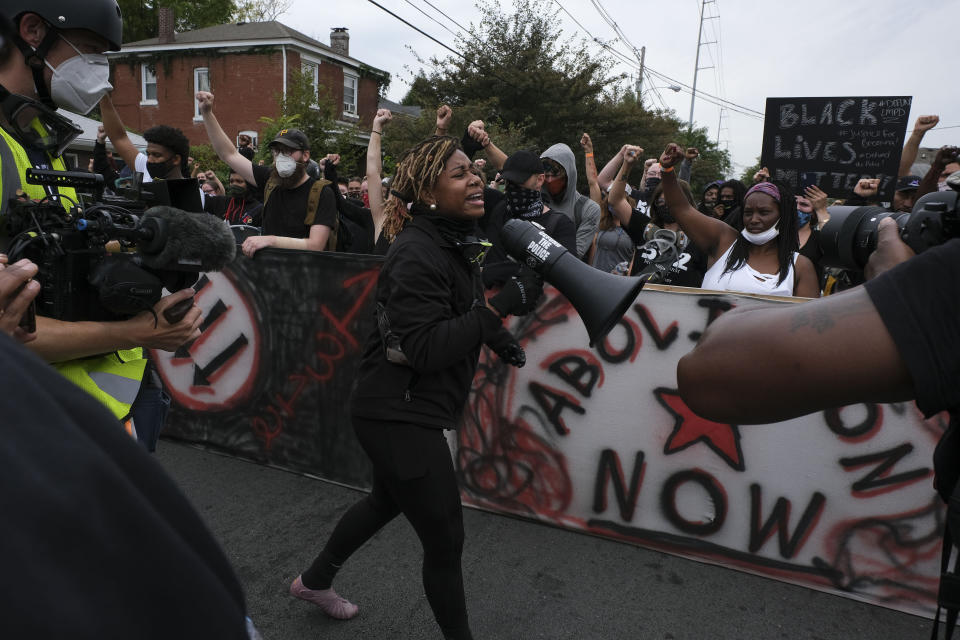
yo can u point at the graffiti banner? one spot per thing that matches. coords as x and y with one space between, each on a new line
595 440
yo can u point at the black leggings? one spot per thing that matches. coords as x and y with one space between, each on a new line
412 474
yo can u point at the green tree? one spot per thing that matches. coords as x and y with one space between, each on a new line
747 176
140 20
535 88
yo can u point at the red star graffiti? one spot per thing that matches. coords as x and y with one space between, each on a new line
690 428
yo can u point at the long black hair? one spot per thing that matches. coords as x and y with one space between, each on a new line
735 217
787 241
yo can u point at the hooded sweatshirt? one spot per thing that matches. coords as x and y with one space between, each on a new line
584 212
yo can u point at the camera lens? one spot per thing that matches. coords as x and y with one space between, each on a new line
850 236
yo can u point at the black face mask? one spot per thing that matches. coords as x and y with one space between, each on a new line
234 191
663 211
728 205
523 203
651 184
159 170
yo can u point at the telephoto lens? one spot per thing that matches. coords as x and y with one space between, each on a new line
850 236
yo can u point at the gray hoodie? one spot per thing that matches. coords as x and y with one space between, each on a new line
584 212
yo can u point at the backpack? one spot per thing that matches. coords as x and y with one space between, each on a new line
945 470
340 237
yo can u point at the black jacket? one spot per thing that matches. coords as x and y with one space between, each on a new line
434 300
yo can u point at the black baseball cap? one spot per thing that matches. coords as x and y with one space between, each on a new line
293 138
908 183
520 166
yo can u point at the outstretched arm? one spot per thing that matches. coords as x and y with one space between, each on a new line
912 145
609 171
595 193
375 169
221 142
711 236
617 197
113 127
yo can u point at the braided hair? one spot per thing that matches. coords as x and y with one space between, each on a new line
417 171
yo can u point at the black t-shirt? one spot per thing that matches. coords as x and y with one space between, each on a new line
919 301
285 213
686 271
814 251
235 210
98 542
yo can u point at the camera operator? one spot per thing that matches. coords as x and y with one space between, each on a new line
17 291
70 71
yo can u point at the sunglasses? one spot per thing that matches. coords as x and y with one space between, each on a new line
551 169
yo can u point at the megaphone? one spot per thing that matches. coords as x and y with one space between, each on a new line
600 298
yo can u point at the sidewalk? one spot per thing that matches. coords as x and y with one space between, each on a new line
523 580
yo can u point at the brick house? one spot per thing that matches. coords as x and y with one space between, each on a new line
245 65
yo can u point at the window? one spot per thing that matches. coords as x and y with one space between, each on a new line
350 84
201 82
311 71
148 84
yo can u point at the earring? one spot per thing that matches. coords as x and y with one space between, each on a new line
433 207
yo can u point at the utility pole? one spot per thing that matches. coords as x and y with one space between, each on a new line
696 66
643 55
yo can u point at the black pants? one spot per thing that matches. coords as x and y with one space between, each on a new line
412 474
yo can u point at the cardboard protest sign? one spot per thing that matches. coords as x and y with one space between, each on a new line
834 142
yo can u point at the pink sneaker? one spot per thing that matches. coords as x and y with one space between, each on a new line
327 599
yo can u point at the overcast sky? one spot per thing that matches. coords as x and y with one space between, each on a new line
776 49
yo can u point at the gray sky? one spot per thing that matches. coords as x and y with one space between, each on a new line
777 49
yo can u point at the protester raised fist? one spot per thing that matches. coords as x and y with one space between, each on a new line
204 102
383 117
215 181
761 176
101 134
17 291
925 123
444 118
478 134
672 155
333 158
480 163
587 143
691 154
867 187
945 156
632 154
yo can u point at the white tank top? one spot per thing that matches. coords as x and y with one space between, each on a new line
747 279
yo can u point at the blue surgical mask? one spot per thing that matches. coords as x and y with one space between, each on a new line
803 218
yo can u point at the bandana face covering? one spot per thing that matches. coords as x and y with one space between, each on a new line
523 203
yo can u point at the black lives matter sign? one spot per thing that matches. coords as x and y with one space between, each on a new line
833 142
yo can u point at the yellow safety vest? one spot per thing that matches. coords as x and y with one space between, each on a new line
113 378
14 163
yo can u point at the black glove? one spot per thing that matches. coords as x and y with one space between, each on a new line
519 294
507 348
470 146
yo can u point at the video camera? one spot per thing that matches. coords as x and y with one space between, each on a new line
111 259
850 236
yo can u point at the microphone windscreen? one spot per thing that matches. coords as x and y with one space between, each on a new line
188 242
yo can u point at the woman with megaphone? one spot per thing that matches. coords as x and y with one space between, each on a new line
761 259
416 372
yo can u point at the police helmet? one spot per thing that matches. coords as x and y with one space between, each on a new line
102 17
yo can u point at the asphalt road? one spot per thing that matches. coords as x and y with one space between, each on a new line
523 580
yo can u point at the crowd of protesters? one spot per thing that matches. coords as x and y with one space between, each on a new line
756 238
440 206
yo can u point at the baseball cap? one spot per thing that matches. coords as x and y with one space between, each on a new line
293 138
520 166
908 183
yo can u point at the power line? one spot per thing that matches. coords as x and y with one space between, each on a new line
432 18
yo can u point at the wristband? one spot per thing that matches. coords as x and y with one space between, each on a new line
379 133
667 169
589 155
